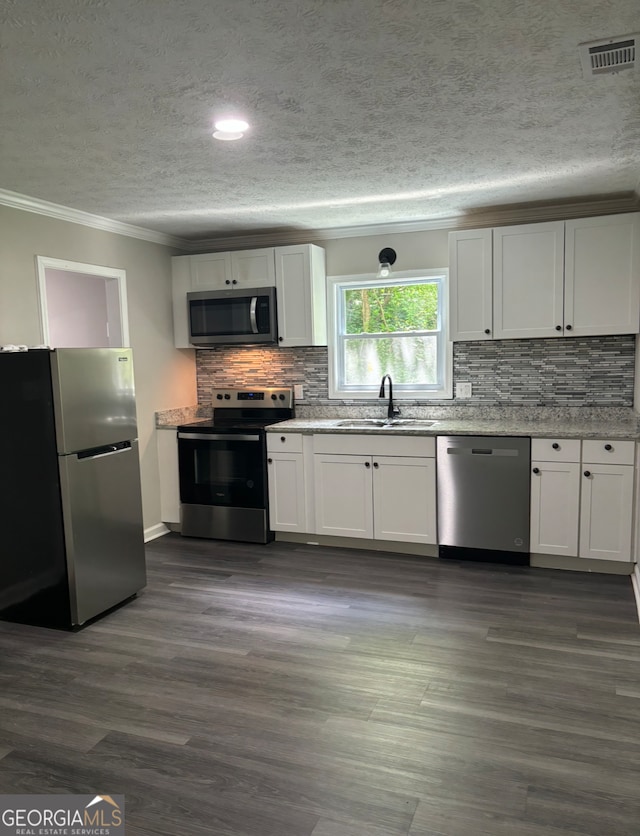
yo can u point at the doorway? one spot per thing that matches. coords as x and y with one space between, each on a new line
82 305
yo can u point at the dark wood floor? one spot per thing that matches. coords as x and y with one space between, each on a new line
290 690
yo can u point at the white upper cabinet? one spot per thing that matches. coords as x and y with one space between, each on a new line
602 281
301 295
528 267
470 285
301 287
565 278
253 268
226 271
211 271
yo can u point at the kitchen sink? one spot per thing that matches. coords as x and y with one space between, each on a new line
379 423
409 423
363 423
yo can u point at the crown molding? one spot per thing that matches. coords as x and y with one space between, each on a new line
284 237
618 204
474 219
14 200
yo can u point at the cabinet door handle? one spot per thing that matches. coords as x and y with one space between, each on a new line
270 461
282 438
536 470
280 339
568 327
227 281
558 327
234 282
555 445
608 447
367 464
375 464
587 473
487 330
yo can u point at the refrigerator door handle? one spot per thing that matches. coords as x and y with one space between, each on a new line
107 450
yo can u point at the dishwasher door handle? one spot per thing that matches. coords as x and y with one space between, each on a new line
480 451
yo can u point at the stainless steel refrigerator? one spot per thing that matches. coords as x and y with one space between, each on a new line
70 503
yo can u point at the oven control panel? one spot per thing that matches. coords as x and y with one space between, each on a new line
263 397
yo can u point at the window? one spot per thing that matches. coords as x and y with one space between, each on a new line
393 326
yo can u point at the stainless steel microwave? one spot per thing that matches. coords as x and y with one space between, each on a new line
232 317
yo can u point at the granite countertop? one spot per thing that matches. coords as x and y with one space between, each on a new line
170 419
617 423
560 428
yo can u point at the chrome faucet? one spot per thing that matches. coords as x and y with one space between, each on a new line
392 410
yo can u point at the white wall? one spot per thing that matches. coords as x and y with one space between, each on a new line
415 251
165 377
76 309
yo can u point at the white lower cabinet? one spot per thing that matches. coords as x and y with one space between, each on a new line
371 493
606 511
167 440
555 507
379 487
582 504
404 499
287 507
344 495
286 480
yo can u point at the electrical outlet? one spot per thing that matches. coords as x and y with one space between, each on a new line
463 390
298 391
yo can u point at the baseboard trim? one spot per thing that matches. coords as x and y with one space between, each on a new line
418 549
635 583
580 564
155 531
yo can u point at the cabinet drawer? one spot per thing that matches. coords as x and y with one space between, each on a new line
375 444
608 451
555 449
284 442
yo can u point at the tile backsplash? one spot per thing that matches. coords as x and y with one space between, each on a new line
572 372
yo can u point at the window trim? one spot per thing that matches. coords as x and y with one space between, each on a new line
335 285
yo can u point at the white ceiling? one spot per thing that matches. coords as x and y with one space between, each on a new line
363 111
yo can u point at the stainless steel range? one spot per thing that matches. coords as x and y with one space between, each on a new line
223 465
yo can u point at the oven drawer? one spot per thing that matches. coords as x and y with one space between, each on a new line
285 442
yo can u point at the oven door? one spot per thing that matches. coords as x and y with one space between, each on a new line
226 469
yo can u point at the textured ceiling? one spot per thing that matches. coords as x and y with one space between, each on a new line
362 111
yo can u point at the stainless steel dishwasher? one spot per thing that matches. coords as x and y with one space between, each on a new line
483 496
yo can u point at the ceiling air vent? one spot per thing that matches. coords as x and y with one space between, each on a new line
608 56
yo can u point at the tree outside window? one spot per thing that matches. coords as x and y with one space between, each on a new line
390 326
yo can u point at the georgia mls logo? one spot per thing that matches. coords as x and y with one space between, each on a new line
62 815
98 820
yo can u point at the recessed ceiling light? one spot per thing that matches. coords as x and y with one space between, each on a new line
226 135
231 126
228 129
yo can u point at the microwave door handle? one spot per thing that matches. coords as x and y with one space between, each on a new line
252 314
